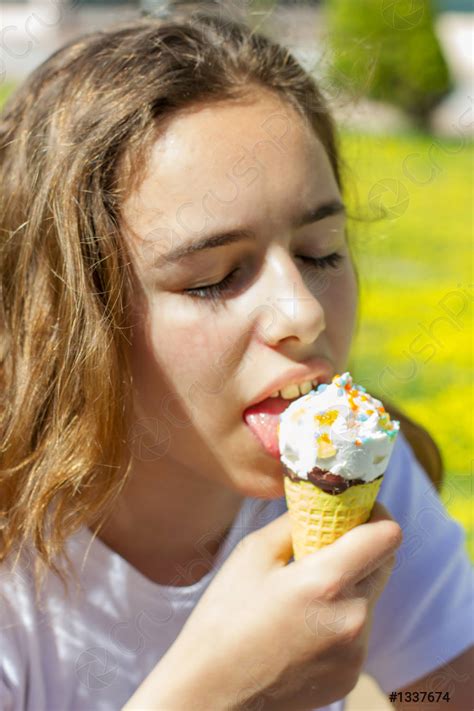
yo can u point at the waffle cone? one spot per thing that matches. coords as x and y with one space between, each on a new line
318 518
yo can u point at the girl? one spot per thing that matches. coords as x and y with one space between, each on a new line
173 251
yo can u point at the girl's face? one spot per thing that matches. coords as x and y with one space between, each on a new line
220 328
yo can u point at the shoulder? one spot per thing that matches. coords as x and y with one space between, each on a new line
420 617
406 484
18 621
29 611
16 592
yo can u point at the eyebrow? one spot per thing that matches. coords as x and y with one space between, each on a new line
334 207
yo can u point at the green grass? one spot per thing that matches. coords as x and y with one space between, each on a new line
414 342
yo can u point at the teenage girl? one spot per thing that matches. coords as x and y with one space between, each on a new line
173 250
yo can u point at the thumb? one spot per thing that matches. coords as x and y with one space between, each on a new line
274 541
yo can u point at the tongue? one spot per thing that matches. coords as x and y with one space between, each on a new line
263 419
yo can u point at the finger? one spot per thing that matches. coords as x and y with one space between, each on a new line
358 552
372 586
380 512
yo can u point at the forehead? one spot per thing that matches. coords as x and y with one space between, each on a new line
216 161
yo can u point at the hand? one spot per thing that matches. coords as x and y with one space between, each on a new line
270 636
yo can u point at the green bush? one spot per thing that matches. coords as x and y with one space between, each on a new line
388 51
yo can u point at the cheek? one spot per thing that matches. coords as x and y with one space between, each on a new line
182 352
199 360
341 307
183 348
192 350
168 351
346 296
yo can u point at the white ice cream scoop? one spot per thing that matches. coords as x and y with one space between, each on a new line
338 428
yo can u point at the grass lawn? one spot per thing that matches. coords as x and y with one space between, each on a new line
412 229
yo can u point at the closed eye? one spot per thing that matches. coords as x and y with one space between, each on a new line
330 260
214 292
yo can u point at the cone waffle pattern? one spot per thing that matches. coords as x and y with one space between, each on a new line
318 518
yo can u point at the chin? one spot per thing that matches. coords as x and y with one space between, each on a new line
261 486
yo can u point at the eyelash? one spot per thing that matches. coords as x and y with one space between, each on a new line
214 292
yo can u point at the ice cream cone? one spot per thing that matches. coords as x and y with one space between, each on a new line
319 518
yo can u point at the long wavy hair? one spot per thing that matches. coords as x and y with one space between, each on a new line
74 138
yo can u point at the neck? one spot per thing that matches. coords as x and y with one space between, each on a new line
170 526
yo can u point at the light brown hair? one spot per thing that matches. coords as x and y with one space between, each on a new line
73 139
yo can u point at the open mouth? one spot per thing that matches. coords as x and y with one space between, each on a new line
263 419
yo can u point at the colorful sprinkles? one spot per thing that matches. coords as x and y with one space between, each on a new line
358 402
325 447
327 418
363 407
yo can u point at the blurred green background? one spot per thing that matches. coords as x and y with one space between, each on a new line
414 344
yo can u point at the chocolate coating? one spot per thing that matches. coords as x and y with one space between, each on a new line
325 480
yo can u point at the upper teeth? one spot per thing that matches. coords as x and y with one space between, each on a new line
289 392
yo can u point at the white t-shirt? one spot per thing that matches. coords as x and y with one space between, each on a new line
92 652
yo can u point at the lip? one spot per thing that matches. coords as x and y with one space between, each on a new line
319 368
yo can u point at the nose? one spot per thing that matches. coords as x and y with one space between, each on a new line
290 309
